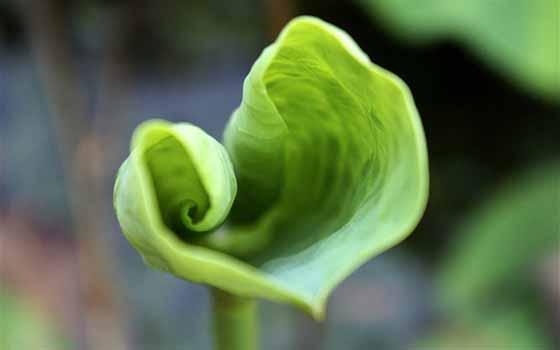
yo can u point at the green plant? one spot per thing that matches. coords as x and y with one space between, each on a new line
500 243
24 327
324 166
488 284
517 37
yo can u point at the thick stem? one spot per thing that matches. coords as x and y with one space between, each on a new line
234 322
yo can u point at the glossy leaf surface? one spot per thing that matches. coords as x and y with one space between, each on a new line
330 165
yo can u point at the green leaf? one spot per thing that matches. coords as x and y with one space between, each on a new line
515 329
501 243
330 164
22 327
517 37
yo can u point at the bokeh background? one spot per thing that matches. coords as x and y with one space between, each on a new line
480 272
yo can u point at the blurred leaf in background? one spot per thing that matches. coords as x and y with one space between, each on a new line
490 283
500 245
519 38
21 327
513 330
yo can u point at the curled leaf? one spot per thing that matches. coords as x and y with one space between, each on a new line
177 178
330 164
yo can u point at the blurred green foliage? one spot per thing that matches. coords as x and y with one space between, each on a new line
513 329
488 283
500 244
21 327
517 37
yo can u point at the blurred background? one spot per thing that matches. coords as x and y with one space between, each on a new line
480 272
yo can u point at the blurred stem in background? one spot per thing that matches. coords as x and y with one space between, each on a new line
85 146
277 14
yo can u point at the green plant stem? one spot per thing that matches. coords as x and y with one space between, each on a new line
234 322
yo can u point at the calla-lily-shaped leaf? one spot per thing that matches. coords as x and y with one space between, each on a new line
324 166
